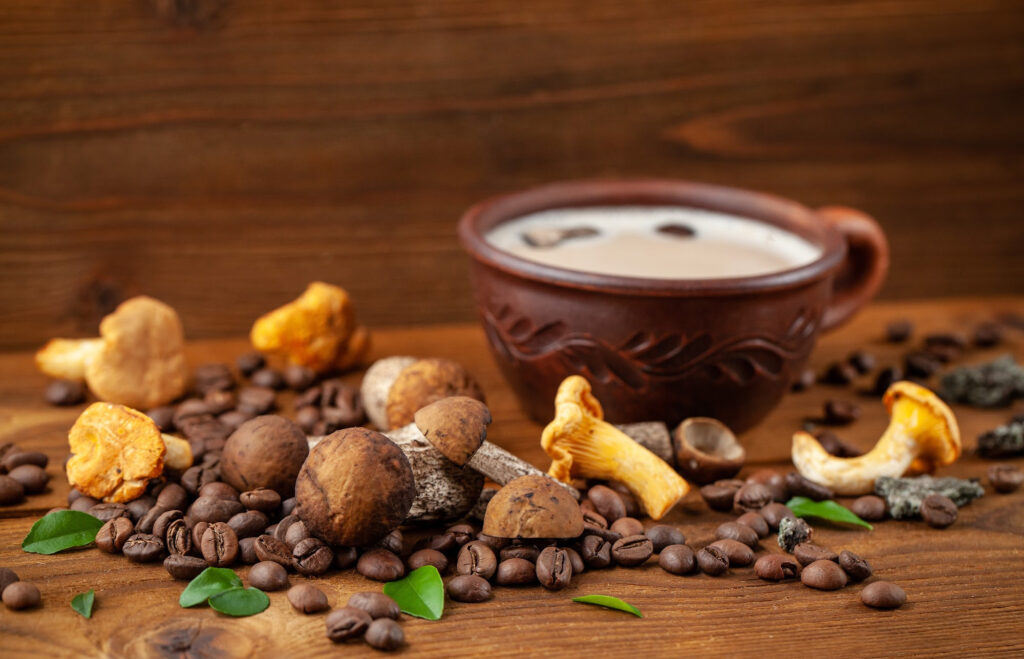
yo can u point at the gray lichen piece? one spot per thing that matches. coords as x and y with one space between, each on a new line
995 384
793 531
1002 442
904 495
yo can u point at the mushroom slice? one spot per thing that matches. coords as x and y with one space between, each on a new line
533 507
706 450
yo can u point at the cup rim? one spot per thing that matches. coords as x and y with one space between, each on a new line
759 206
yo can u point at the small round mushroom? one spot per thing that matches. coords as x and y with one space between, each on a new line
266 451
533 507
394 388
355 487
706 450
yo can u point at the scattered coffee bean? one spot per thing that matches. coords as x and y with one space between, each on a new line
197 476
607 502
833 445
345 557
345 623
298 378
163 522
862 361
823 575
143 548
839 374
178 537
307 418
219 545
793 531
517 572
921 364
720 494
12 492
527 552
269 548
987 335
462 533
256 400
267 377
803 487
198 529
807 552
677 559
476 558
310 599
946 347
21 595
249 524
883 595
776 567
856 567
7 577
773 480
578 566
219 490
804 381
213 377
214 509
712 561
385 634
885 379
497 544
137 508
554 567
113 534
312 557
444 543
625 526
632 550
18 458
628 500
739 554
774 513
433 557
268 576
841 412
234 418
869 507
1005 478
377 605
65 392
898 331
107 511
752 497
756 522
380 565
938 511
739 532
250 362
81 504
172 497
663 535
184 568
596 552
393 541
469 588
247 551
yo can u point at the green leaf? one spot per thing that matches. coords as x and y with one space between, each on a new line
240 602
61 530
609 602
830 510
82 603
420 593
210 581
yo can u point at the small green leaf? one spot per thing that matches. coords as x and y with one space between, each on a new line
609 602
830 510
210 581
420 593
82 603
61 530
240 602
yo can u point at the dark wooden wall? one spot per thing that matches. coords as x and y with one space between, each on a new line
219 155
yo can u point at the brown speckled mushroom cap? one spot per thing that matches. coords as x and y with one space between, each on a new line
456 426
266 451
355 487
533 507
424 382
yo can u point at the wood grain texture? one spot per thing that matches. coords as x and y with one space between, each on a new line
221 156
963 583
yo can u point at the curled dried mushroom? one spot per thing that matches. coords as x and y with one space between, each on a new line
706 450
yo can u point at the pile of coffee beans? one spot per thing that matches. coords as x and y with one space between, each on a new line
21 473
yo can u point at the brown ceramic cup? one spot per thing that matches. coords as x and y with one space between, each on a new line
667 349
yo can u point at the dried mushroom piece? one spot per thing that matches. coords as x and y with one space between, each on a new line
395 388
706 450
317 330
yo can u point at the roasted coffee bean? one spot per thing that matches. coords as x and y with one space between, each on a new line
869 507
632 550
256 400
862 361
213 509
628 500
178 537
586 506
345 623
496 544
444 543
377 605
261 499
774 513
462 533
298 378
267 377
219 490
833 445
712 561
807 552
921 364
720 494
249 362
839 374
81 504
247 551
755 522
527 552
173 497
469 588
663 535
308 398
232 419
7 577
198 529
945 346
841 412
108 511
65 392
516 572
773 480
148 521
476 558
677 559
219 402
987 335
345 398
312 557
578 566
607 502
310 599
268 576
269 548
855 567
596 552
163 522
739 554
189 408
554 567
143 548
296 533
938 511
248 524
883 595
286 523
739 532
776 567
307 418
21 595
17 458
1005 478
898 331
625 526
885 379
345 557
288 506
384 634
219 545
213 377
184 568
799 486
423 557
380 565
137 508
752 497
394 542
113 534
197 476
804 380
823 575
595 524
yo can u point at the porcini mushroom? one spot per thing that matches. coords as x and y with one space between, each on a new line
116 451
583 445
394 388
317 330
706 450
138 361
533 507
355 487
922 435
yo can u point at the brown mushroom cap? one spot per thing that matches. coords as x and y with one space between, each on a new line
266 451
355 488
706 450
424 382
456 426
533 507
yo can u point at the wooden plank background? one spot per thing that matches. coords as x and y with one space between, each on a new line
219 155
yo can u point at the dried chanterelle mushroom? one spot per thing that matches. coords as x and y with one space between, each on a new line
922 435
138 361
533 507
394 388
583 445
318 330
116 451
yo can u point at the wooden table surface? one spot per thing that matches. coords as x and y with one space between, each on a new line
965 584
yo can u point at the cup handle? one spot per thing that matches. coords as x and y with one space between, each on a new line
863 271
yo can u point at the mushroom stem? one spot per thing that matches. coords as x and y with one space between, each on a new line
501 466
653 436
179 453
